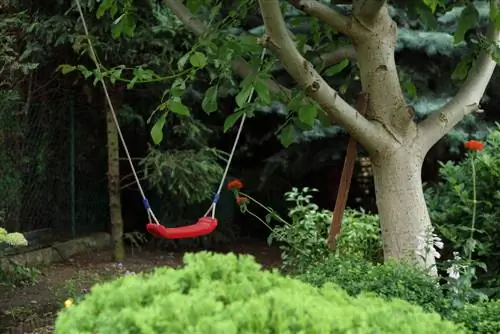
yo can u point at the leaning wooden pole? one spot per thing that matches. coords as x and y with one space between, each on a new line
345 178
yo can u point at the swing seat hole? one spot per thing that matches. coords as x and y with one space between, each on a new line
204 226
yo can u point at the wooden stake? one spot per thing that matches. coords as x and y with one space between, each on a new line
346 177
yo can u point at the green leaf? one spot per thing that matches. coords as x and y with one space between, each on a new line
65 69
427 17
337 68
105 6
323 118
263 92
467 20
410 88
115 75
209 103
85 71
431 4
307 114
181 63
460 72
231 119
494 14
157 129
287 135
269 239
198 59
246 90
178 107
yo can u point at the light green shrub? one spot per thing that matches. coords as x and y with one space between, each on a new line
15 239
229 294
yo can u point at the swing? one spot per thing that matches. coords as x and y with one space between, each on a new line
206 224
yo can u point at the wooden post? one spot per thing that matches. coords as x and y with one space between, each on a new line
345 178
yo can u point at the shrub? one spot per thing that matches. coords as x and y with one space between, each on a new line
360 236
451 202
303 239
481 318
229 294
389 280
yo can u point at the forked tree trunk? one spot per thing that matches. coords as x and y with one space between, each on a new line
115 204
401 205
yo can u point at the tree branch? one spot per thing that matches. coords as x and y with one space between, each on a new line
334 57
465 101
278 41
329 58
328 15
367 10
197 27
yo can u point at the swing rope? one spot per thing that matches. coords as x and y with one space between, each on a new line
151 216
93 55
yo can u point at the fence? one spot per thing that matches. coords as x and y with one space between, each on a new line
52 165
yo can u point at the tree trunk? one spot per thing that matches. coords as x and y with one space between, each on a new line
401 205
115 205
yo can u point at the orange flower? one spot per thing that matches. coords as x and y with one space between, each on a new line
234 184
242 200
474 145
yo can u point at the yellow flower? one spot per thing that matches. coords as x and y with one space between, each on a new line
68 303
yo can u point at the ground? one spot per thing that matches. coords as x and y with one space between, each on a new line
32 309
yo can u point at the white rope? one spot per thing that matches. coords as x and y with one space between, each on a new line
124 144
233 149
93 55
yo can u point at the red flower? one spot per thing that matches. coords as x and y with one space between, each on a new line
474 145
242 200
234 184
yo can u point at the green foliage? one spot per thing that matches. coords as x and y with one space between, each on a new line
450 203
480 318
229 294
303 240
185 169
389 280
14 275
15 239
11 273
360 236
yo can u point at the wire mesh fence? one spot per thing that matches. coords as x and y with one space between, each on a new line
52 166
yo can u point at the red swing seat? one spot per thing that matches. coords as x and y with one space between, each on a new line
204 226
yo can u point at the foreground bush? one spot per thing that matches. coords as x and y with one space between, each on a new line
390 280
481 318
229 294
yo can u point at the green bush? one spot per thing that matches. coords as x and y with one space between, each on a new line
360 236
451 201
229 294
303 239
389 280
481 318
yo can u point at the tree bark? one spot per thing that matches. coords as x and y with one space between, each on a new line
403 212
115 204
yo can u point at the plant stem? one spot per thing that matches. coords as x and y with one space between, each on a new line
474 196
275 215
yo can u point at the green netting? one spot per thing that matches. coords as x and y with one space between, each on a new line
52 165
